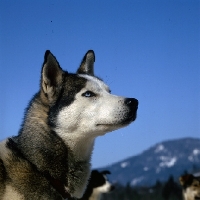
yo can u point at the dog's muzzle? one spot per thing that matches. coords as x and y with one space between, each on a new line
132 104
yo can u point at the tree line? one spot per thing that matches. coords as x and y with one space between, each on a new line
170 190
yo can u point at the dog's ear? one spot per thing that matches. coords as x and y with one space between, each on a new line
186 179
105 172
52 75
87 64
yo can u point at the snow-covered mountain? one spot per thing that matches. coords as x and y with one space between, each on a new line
167 158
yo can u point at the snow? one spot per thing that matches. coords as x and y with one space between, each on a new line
194 156
124 164
159 148
135 181
146 169
158 169
167 161
196 152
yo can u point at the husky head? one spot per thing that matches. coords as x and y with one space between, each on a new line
81 104
191 186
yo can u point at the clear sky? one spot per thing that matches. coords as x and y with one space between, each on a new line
147 49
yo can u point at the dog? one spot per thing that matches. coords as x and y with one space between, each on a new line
191 186
50 156
98 184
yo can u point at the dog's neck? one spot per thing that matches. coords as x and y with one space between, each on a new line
188 196
58 185
73 155
80 147
79 162
96 195
83 149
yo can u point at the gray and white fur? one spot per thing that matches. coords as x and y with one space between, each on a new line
50 156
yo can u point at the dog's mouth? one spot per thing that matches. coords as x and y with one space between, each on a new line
127 119
130 118
124 122
104 124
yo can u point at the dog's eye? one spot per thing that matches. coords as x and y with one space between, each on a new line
88 94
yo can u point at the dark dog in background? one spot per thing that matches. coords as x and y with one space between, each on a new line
98 184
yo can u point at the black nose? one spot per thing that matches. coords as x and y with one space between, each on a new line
131 102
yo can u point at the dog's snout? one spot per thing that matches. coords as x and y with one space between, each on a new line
131 102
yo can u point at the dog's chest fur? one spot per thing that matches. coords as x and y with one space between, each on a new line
25 177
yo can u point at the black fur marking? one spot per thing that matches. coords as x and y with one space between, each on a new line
71 86
58 185
2 175
11 144
2 169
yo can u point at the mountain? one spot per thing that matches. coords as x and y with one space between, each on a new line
167 158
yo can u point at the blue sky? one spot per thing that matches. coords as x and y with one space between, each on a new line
147 49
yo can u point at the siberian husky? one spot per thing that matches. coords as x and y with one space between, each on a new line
50 156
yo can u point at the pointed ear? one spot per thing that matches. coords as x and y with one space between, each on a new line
87 64
186 179
105 172
51 77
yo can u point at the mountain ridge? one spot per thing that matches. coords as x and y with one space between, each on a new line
158 162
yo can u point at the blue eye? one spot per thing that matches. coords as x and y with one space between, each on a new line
88 94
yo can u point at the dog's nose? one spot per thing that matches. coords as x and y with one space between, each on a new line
131 102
